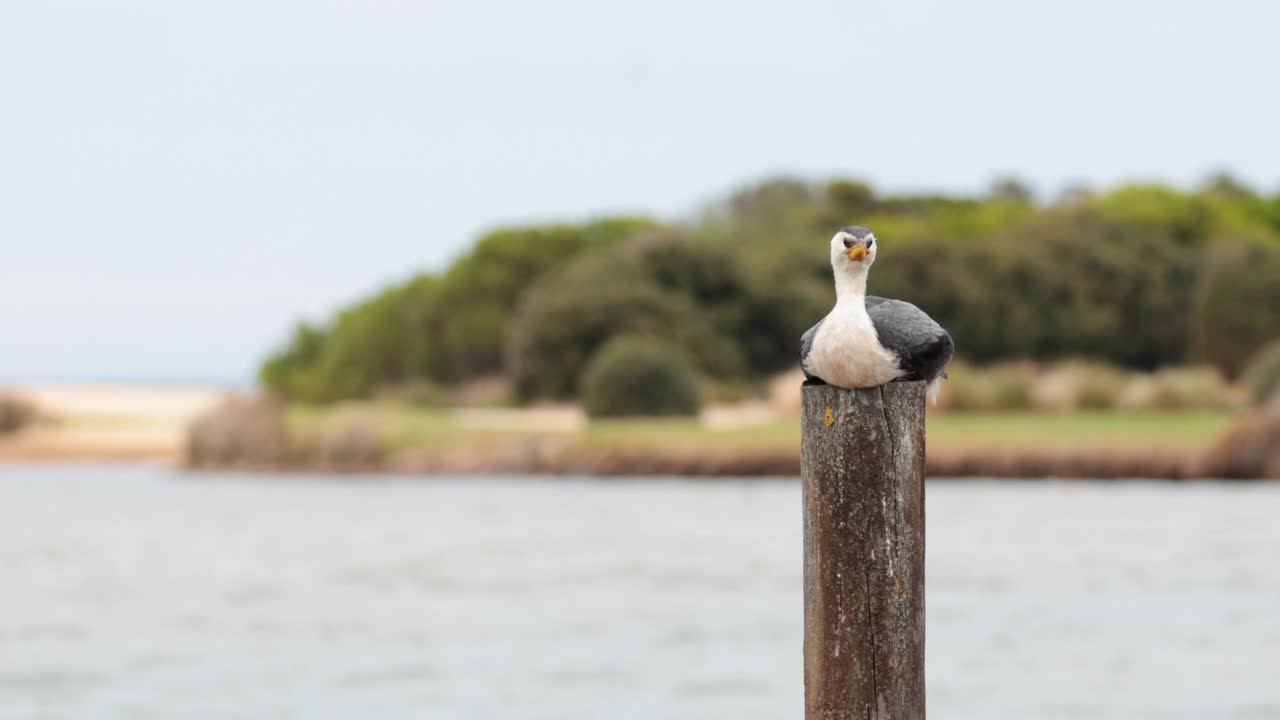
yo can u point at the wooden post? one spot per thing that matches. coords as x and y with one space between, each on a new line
862 470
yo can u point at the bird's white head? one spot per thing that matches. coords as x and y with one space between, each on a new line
853 250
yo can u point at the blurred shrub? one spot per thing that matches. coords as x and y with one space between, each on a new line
1262 375
487 391
1140 277
349 439
387 339
770 204
480 289
732 322
1079 385
639 376
1004 387
238 432
1185 218
1011 190
560 327
1064 281
1250 449
1096 287
1011 385
966 298
729 391
293 372
785 393
437 329
1099 386
15 413
965 390
376 342
1237 307
761 315
1192 388
418 393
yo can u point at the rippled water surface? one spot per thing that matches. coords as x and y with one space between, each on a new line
134 592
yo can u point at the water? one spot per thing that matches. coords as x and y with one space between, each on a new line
134 592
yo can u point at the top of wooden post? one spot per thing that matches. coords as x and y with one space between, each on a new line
862 475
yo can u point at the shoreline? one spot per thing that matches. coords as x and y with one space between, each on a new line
1059 464
86 424
1093 464
1025 467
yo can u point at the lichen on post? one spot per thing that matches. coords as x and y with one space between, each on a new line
862 471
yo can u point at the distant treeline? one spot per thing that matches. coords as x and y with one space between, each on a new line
1141 276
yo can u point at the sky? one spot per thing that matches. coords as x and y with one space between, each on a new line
181 182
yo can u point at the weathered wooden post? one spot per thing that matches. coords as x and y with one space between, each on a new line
862 470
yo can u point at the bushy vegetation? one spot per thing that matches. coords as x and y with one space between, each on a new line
669 284
1262 377
439 329
255 433
637 376
238 432
1140 277
1237 307
15 413
346 440
1080 385
1186 388
1250 448
1076 385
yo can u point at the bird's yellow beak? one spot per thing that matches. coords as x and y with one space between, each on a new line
857 253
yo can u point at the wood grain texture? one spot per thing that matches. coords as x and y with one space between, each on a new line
863 496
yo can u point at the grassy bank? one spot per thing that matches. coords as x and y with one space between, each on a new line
1014 444
405 427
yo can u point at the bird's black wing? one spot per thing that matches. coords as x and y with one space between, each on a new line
922 346
806 346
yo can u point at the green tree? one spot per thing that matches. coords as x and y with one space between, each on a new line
561 323
1011 189
639 376
1237 303
1142 275
1104 288
482 288
292 371
389 338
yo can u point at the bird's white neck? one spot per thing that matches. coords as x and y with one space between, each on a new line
851 287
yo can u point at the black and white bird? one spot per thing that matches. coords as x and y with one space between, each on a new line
868 341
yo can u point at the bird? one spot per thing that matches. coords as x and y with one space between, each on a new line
866 341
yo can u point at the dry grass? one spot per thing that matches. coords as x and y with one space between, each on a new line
784 393
1078 385
557 440
349 440
1250 449
106 422
490 391
1262 376
1004 387
1083 386
240 432
16 412
553 439
1179 389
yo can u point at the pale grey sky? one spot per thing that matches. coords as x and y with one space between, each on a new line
181 181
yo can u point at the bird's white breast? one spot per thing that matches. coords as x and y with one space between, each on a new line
847 353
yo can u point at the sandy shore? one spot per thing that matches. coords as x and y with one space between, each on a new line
106 422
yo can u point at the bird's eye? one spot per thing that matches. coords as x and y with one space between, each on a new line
871 242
